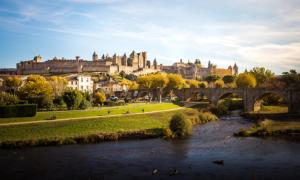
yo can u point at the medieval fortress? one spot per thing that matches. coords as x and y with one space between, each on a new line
136 63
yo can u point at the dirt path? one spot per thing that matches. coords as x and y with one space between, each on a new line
84 118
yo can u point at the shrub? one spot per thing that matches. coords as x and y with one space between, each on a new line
246 80
24 110
203 84
180 126
115 103
85 104
219 83
100 98
8 99
72 98
205 117
167 133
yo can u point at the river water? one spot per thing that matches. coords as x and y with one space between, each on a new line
192 158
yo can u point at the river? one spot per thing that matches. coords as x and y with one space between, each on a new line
191 158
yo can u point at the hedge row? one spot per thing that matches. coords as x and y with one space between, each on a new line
21 110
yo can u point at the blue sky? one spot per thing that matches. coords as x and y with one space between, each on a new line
249 32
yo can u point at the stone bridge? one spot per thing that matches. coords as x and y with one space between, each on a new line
251 96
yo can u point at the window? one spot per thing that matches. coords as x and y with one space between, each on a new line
81 87
87 87
87 79
81 79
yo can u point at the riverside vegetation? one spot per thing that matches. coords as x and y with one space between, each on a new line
94 130
269 127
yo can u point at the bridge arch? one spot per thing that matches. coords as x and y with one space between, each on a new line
264 97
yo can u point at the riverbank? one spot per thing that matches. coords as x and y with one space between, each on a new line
89 131
266 128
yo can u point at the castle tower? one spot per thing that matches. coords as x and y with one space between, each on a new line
155 63
77 58
144 58
124 60
95 56
235 69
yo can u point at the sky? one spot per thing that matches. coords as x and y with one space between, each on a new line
252 33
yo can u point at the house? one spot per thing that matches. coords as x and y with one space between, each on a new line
110 86
81 82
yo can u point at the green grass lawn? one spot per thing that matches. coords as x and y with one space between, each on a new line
132 108
274 109
75 128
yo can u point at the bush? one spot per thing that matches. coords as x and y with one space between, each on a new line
205 117
85 104
167 133
8 99
24 110
219 83
73 99
246 80
203 84
180 126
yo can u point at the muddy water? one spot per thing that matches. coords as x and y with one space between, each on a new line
244 158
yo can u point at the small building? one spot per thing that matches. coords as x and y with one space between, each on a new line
110 86
81 82
8 71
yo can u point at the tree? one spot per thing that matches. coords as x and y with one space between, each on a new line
73 98
8 99
58 85
144 82
203 84
13 83
133 85
37 90
100 98
261 74
159 81
292 79
175 81
212 78
219 83
193 83
228 79
246 80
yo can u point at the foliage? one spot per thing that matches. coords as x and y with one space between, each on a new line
180 125
246 80
12 83
175 81
193 83
159 80
292 79
272 99
59 103
8 99
36 90
168 134
21 110
99 98
203 84
72 98
219 83
228 79
133 85
145 82
58 85
85 104
205 117
261 74
212 78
